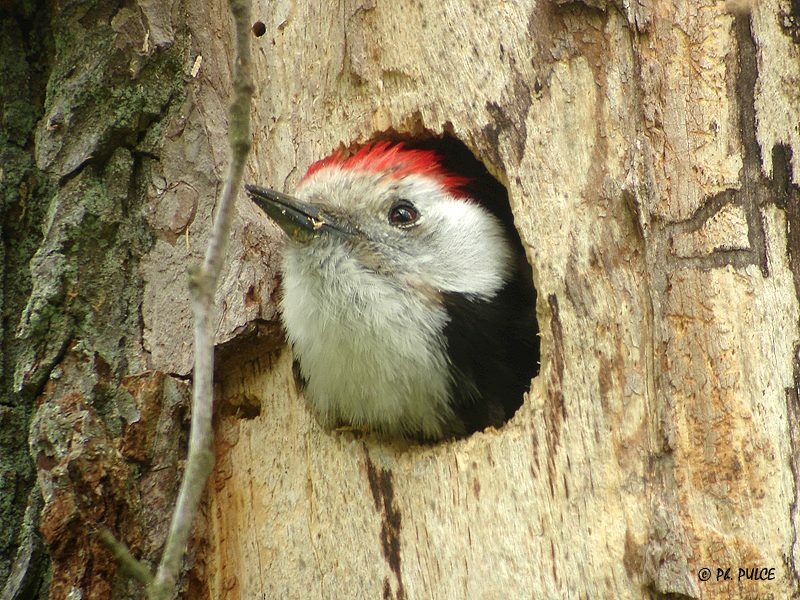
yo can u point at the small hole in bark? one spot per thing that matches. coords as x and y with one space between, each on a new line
259 29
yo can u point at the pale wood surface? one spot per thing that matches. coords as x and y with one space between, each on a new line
660 436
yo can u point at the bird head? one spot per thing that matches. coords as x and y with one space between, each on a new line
391 213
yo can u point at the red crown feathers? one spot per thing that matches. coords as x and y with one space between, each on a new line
396 161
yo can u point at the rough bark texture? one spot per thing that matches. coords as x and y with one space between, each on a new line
652 157
113 148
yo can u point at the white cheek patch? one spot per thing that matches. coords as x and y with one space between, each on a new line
467 251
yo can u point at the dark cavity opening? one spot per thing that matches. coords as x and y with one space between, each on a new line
493 345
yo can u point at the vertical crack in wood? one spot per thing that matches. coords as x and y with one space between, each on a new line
555 411
787 197
755 189
382 488
793 421
509 119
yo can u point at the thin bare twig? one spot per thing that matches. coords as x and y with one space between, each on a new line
204 279
138 570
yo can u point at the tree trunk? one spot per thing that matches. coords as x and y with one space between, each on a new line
113 149
652 157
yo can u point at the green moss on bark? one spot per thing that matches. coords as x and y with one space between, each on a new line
23 68
80 90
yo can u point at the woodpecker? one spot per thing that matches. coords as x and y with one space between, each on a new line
409 308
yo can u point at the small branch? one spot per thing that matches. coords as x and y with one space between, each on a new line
137 569
204 280
203 285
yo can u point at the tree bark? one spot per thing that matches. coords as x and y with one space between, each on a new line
114 146
652 158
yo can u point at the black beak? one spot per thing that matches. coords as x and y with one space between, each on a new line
301 221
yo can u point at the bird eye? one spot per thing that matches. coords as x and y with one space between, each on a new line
403 214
